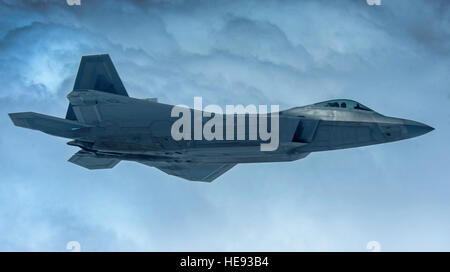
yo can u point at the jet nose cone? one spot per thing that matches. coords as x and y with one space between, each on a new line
415 129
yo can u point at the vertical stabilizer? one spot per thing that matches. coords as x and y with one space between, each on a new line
97 72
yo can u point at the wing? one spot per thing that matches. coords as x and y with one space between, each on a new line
91 161
192 171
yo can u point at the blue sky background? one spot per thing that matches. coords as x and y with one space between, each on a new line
394 58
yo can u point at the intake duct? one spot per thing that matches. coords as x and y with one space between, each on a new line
305 131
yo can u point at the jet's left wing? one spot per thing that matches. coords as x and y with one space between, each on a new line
92 162
193 171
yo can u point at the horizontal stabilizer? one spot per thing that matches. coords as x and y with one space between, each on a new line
91 161
193 171
47 124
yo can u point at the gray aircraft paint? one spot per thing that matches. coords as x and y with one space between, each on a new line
109 126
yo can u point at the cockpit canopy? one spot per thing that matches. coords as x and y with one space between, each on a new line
343 104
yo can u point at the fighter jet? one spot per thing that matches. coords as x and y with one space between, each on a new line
109 126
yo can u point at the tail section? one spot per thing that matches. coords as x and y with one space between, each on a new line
48 124
97 72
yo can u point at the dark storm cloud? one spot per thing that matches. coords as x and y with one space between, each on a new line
395 58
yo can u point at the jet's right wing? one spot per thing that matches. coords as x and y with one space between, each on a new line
193 171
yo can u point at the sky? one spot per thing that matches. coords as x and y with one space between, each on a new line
393 58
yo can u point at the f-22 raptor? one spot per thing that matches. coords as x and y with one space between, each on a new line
109 126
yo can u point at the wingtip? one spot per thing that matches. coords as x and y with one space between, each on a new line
18 119
95 56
